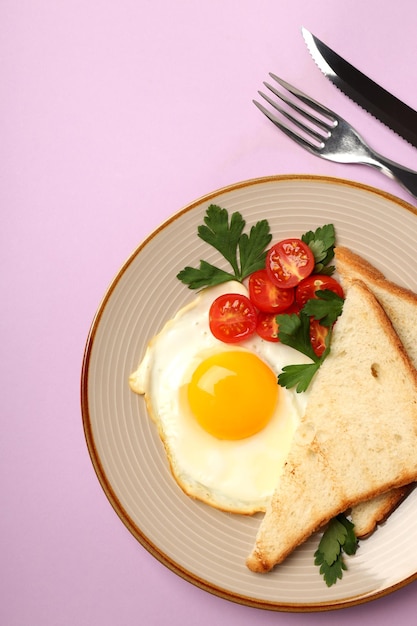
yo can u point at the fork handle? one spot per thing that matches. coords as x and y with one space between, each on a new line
406 177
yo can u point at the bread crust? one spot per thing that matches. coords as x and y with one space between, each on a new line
352 266
367 515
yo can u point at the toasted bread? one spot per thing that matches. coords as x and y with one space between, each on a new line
367 515
400 304
358 437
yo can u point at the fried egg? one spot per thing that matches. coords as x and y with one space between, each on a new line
224 421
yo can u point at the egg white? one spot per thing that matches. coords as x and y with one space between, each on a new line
237 476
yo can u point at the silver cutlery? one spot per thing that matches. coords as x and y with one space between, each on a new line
383 105
327 135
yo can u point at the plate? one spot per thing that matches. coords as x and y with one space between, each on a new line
205 546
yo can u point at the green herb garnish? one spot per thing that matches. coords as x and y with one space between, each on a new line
322 242
338 538
245 252
326 307
294 331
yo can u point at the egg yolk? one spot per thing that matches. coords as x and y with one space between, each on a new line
233 394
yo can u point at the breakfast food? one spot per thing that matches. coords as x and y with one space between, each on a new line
400 305
367 515
225 445
240 442
348 448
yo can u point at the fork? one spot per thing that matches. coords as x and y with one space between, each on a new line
329 136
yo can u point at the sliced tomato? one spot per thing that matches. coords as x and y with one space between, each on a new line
318 334
267 326
232 317
293 308
288 262
266 295
316 282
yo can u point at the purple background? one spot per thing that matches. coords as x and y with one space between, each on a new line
114 115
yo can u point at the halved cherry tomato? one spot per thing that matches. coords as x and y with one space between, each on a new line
232 317
288 262
293 308
267 326
266 295
316 282
318 334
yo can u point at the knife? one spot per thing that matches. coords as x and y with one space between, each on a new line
375 99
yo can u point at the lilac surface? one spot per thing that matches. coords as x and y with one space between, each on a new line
115 115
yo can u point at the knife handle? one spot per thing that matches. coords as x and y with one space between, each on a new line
406 177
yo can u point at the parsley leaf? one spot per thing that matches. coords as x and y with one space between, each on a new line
322 242
351 542
252 248
331 573
326 307
338 537
217 232
245 253
206 274
294 331
298 376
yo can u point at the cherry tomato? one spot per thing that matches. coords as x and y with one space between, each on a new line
288 262
266 295
293 308
232 317
318 334
267 326
315 282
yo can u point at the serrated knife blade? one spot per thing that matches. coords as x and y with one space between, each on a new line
395 114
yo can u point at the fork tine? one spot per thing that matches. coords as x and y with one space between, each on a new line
294 120
305 114
316 106
287 130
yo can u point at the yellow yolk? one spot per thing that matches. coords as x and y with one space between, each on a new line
233 394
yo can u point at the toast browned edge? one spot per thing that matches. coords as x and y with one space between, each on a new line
370 275
388 503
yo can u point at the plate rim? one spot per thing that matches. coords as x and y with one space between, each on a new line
105 483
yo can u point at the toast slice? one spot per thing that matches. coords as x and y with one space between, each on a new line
400 304
362 406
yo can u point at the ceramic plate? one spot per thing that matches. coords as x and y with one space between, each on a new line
205 546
